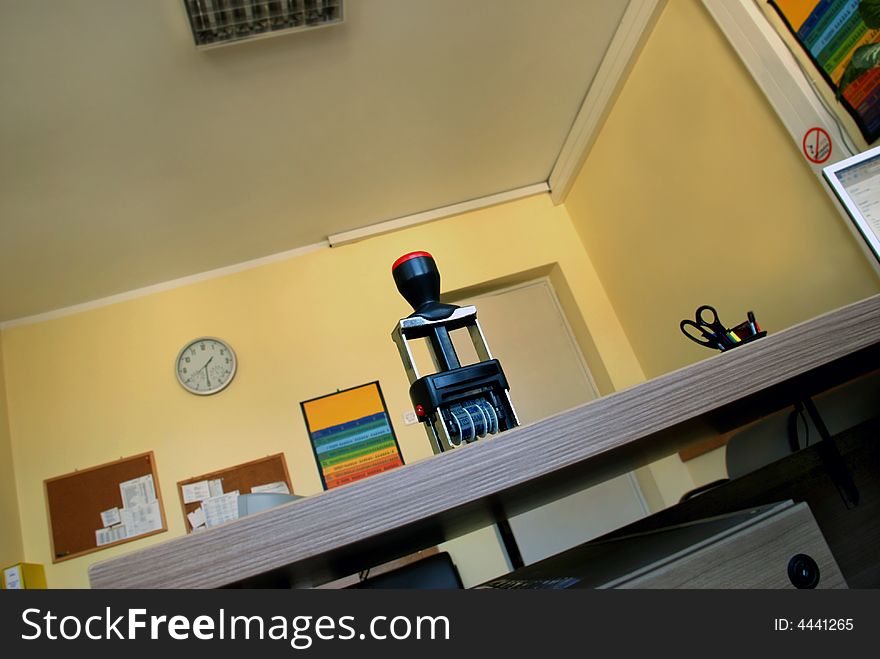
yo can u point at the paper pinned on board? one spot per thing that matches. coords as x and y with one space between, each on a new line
215 487
138 491
110 517
195 492
113 534
275 488
221 509
197 518
142 519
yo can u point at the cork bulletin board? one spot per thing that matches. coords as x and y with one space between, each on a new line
242 477
75 503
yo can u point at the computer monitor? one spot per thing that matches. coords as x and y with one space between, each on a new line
435 572
257 502
856 182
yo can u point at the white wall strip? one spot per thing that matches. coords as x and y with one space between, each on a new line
635 27
436 214
777 73
164 286
790 91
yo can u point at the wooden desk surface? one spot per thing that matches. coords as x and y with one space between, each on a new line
395 513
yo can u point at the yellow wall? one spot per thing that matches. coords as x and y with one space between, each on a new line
10 527
92 387
694 193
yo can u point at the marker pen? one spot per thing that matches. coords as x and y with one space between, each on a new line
753 323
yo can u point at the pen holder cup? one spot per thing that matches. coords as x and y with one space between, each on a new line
744 333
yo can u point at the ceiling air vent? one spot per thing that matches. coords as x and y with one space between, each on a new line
219 22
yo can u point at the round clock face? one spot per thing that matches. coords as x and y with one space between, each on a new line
205 366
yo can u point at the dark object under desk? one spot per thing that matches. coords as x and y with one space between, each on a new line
852 534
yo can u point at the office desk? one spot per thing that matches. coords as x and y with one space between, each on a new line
341 531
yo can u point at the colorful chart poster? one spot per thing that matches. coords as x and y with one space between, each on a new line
351 435
829 32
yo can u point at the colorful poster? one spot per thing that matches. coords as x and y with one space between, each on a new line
351 435
830 32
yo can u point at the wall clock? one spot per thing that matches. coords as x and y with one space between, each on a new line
205 366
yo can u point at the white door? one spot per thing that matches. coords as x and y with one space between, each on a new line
527 332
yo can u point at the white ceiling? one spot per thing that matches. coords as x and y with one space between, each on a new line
129 158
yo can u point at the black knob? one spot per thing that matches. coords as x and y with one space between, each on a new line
418 281
417 278
803 571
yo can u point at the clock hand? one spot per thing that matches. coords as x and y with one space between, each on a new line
205 367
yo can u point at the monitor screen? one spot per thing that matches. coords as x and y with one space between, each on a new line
856 182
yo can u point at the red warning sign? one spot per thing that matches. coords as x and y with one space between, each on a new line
817 145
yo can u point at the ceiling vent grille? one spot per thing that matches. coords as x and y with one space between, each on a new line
219 22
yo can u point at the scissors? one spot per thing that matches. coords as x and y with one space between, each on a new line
712 333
